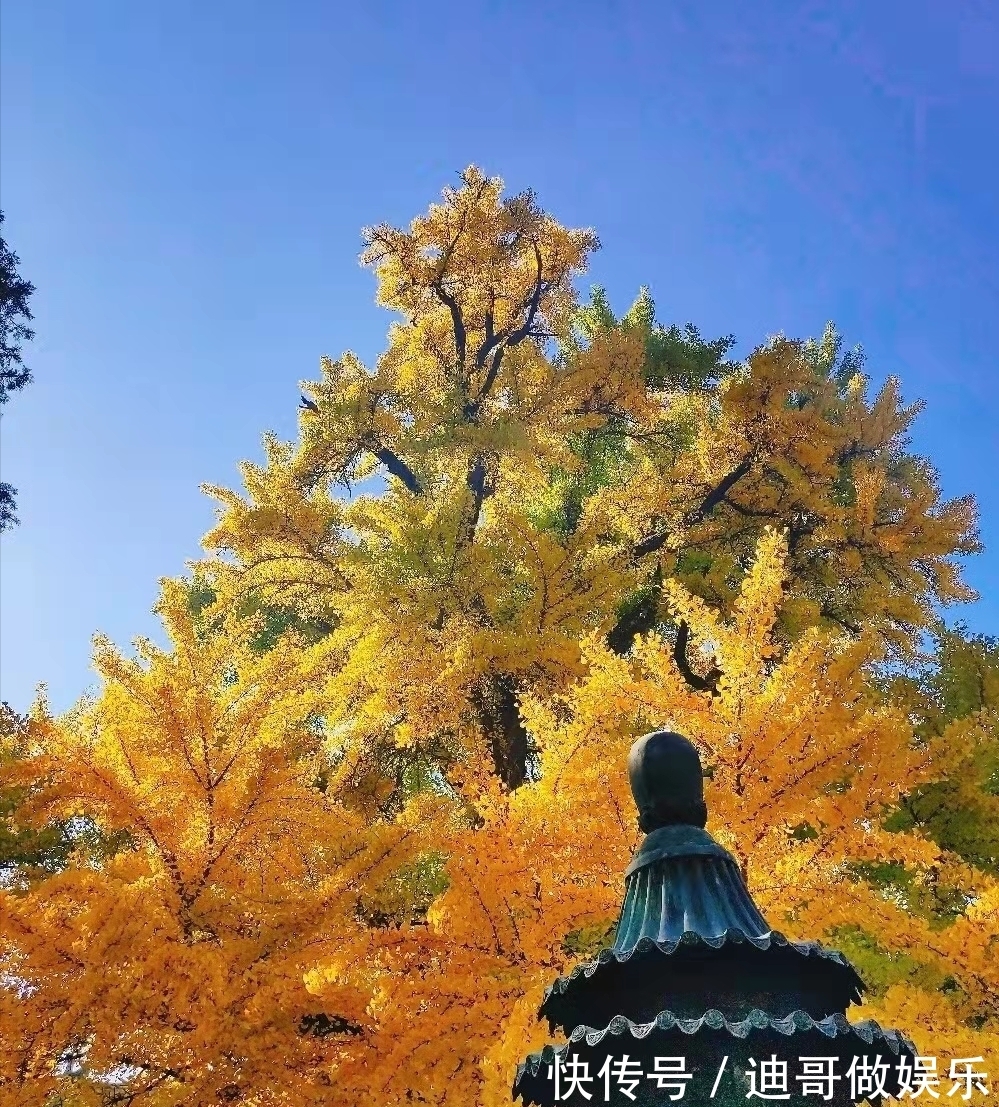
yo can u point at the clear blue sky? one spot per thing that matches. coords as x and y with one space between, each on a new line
186 182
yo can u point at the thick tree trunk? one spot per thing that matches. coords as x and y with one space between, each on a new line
499 716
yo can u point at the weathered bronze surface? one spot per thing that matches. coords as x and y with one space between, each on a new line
695 971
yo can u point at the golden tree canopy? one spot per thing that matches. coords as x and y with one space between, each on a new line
330 845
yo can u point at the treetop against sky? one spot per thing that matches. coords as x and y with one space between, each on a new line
193 241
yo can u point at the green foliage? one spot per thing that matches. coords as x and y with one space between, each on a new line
406 896
558 506
826 356
15 292
29 853
880 968
268 620
279 619
24 848
958 689
966 676
675 357
938 903
956 818
637 613
588 941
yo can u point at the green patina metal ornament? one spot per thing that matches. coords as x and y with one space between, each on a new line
696 974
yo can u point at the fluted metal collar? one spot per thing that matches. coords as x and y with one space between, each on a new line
681 840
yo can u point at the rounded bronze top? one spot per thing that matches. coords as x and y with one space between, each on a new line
666 781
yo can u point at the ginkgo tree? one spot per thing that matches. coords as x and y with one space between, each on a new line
177 969
374 793
549 466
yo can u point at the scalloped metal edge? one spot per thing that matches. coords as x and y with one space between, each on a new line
691 937
830 1026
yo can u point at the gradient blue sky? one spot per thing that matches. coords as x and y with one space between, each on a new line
186 183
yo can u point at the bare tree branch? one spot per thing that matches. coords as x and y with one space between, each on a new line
491 339
743 510
498 342
521 333
480 487
717 494
397 467
706 683
457 322
841 620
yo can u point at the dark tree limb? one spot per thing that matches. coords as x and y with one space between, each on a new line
457 322
398 468
848 625
498 342
743 510
499 716
717 494
706 683
323 1025
457 319
799 529
522 332
480 486
491 338
472 410
855 450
